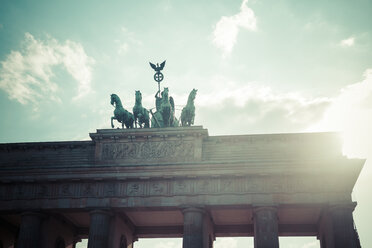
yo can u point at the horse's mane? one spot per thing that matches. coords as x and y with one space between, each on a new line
117 98
192 96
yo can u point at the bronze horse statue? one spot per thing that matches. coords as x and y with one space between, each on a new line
120 114
188 112
141 115
166 108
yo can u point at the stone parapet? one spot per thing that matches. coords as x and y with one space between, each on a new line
149 146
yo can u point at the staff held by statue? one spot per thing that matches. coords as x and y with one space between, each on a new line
158 76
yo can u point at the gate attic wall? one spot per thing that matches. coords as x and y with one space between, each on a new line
156 182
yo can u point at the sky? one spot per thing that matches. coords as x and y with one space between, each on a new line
260 66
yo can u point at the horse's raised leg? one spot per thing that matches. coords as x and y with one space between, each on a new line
112 123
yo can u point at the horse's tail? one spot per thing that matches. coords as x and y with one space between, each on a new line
183 116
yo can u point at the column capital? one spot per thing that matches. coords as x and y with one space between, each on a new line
101 211
342 206
193 208
34 213
258 208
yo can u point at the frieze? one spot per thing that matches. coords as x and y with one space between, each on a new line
166 187
180 187
148 151
135 189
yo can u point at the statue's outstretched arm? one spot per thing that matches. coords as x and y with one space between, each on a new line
157 93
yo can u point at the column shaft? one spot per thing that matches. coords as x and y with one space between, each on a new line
29 232
193 231
99 229
344 235
265 228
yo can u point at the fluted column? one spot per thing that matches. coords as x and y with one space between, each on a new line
194 234
344 235
30 230
265 227
99 229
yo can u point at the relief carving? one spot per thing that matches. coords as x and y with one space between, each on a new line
148 150
109 189
227 185
88 190
173 187
134 189
65 190
42 190
204 186
158 188
19 191
181 187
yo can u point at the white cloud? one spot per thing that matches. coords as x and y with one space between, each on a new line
168 244
123 48
227 28
27 75
351 113
314 244
127 41
225 243
348 42
82 244
255 108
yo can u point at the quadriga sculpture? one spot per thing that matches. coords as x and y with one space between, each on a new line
188 112
141 115
120 114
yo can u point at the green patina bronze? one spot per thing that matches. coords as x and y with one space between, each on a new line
120 114
188 112
165 110
141 115
164 115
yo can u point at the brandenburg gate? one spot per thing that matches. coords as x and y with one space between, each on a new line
127 184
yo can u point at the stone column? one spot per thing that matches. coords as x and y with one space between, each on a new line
265 227
30 230
344 235
194 233
99 229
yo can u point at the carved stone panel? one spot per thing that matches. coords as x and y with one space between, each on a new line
148 146
181 187
149 151
135 189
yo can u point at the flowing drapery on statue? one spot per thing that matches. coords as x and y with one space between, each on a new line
141 114
165 111
120 114
188 112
